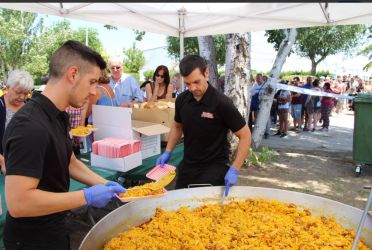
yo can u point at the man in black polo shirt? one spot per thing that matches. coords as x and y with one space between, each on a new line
39 158
204 116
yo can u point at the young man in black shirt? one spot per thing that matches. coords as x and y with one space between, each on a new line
39 158
204 116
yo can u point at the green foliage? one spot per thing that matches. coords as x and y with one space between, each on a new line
93 38
110 27
148 74
136 75
172 71
191 46
259 158
221 73
317 43
275 37
45 44
134 59
139 35
288 75
367 51
17 29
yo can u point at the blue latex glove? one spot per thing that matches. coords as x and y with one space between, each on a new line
231 178
164 158
99 195
112 184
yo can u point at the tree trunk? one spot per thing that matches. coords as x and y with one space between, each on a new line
208 51
268 96
313 67
237 76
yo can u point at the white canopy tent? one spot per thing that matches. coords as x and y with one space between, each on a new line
201 19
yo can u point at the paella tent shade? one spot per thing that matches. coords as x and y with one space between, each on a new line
201 19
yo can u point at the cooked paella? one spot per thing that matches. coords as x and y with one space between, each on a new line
143 190
250 224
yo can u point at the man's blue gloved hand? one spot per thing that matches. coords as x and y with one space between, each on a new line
164 158
99 195
231 178
112 184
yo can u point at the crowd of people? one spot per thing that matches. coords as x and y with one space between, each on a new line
306 111
37 151
38 154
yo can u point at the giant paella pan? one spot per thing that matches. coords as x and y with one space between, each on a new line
136 213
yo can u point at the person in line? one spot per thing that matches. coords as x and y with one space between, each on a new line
313 107
160 87
204 116
39 159
177 85
260 97
126 87
284 98
76 118
143 89
296 108
326 107
255 101
18 87
305 114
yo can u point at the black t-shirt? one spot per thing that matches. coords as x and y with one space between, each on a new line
37 144
205 125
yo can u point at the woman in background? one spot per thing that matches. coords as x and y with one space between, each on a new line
313 107
159 88
18 87
104 95
326 106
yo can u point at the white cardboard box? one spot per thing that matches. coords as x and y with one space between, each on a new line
117 122
123 164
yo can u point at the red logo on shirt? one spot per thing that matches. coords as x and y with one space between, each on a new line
207 115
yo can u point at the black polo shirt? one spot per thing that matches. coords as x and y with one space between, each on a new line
205 125
37 144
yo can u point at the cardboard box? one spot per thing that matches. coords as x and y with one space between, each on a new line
123 164
117 122
159 116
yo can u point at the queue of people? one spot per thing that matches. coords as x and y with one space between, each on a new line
306 111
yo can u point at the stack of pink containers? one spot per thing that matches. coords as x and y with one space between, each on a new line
116 147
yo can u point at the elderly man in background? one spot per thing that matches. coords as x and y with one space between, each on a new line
18 87
126 87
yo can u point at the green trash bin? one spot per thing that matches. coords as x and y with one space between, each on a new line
362 138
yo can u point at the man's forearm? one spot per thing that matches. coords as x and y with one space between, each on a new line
243 147
174 136
25 201
81 173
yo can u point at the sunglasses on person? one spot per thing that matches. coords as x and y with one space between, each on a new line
161 76
115 67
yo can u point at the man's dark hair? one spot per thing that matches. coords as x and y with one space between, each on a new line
316 83
327 85
191 62
74 53
296 78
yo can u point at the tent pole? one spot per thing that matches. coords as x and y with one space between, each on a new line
181 29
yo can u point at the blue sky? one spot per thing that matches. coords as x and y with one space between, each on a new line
263 53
